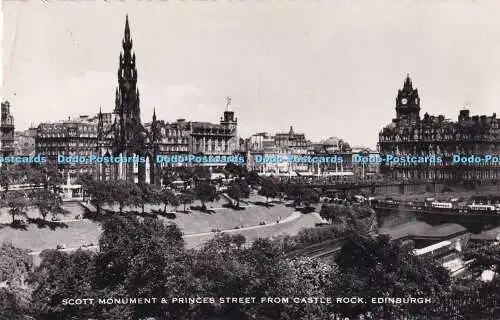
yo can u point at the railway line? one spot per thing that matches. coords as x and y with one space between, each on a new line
316 250
321 250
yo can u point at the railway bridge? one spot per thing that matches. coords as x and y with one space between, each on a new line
474 220
388 186
373 187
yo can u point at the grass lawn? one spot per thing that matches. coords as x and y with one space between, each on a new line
5 217
291 228
75 234
199 222
73 209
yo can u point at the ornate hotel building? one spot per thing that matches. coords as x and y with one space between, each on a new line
193 137
409 134
71 137
122 133
292 143
6 130
278 145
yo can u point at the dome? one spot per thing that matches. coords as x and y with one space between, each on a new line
332 141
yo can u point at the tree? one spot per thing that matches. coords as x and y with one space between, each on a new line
186 198
100 192
201 173
17 203
149 194
174 201
387 270
168 175
307 277
301 194
235 192
136 258
118 245
307 197
205 192
9 306
269 189
350 217
159 269
239 189
167 197
36 175
483 257
85 179
244 188
472 299
63 275
47 202
266 264
124 193
5 177
236 170
15 267
52 176
185 173
294 191
253 178
223 271
137 196
239 240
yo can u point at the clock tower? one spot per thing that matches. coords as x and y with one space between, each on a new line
408 102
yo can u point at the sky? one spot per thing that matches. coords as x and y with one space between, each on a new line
329 68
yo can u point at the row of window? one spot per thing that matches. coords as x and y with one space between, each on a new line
182 140
210 148
434 137
67 135
79 144
437 149
467 175
440 130
175 148
209 133
173 133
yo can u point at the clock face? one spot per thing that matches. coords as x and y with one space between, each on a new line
404 101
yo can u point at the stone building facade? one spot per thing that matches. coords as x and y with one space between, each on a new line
438 137
277 146
6 130
71 137
194 137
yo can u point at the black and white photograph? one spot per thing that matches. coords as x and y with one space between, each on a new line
250 160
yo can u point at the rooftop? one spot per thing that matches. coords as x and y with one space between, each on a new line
490 235
444 230
422 229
